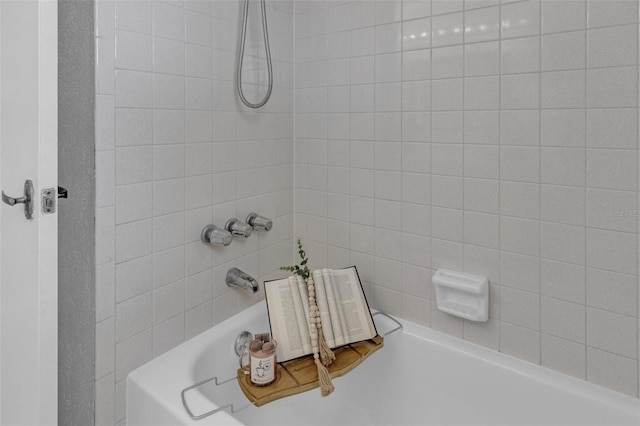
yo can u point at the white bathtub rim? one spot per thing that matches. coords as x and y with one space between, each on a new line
616 400
182 373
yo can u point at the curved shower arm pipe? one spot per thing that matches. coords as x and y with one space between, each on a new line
241 56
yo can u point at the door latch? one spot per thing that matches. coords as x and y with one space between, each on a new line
49 199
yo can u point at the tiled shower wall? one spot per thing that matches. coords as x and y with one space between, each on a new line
497 138
174 152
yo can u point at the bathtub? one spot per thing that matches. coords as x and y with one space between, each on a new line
419 377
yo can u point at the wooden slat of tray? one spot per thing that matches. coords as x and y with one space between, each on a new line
300 375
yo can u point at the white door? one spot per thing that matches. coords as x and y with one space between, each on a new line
28 248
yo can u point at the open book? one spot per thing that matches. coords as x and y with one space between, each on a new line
344 311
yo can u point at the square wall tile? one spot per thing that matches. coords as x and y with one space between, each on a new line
416 34
563 319
564 355
565 243
612 128
520 55
562 204
482 59
447 29
447 62
520 19
134 89
612 169
612 332
519 91
612 87
564 50
439 7
520 127
520 342
612 291
520 163
520 308
612 250
134 15
132 353
562 166
520 272
563 15
612 47
613 371
481 24
602 13
519 199
520 235
564 281
563 89
563 127
412 9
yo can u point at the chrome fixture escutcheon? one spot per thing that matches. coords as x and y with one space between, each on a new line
27 199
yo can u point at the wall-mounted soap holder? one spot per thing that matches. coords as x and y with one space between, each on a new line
461 294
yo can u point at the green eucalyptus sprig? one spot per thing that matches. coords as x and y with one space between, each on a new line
302 268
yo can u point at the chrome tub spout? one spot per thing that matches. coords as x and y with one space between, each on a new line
237 278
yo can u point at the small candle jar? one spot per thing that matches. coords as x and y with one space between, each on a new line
262 362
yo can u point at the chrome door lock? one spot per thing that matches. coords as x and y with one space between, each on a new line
49 199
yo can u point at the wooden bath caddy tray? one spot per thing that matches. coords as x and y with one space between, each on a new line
300 375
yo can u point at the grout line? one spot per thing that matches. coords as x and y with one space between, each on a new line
401 145
294 112
586 117
637 206
539 179
430 145
184 179
499 176
464 249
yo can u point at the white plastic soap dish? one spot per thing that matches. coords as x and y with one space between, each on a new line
463 295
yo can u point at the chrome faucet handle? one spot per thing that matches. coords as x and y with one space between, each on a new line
259 223
238 228
215 236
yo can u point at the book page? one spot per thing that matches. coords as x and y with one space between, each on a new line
327 276
323 308
356 312
304 295
340 307
283 321
301 318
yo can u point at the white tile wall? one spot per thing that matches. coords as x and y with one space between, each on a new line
175 152
499 138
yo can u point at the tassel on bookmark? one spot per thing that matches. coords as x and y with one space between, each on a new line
326 354
324 379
